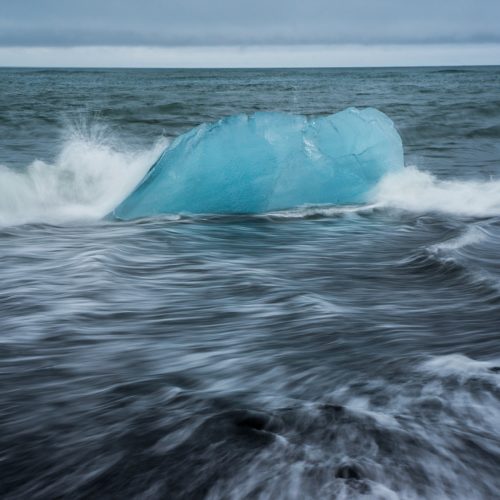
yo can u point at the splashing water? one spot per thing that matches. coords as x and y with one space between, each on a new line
89 177
94 172
422 192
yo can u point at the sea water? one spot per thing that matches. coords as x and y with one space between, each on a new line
315 351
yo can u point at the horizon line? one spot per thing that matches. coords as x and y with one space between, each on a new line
206 68
252 56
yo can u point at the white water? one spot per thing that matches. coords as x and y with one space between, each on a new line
422 192
88 178
91 175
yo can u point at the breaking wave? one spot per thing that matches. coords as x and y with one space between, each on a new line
91 174
421 192
94 172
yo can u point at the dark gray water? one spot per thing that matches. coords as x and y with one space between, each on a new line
335 352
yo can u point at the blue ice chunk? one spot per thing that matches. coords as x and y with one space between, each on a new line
269 161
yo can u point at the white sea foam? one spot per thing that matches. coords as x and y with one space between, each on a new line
472 235
422 192
320 211
460 366
88 178
91 175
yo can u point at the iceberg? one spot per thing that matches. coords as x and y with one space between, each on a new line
269 161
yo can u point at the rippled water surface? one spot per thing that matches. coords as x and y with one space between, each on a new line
320 352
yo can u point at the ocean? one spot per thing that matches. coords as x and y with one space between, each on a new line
343 351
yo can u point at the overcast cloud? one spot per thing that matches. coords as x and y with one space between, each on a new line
232 22
164 24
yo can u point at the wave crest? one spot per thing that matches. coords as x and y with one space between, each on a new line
421 192
88 178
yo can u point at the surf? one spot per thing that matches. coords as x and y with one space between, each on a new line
90 175
276 164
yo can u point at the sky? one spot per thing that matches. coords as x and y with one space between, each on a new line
197 33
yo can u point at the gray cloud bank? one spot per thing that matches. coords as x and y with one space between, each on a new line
67 23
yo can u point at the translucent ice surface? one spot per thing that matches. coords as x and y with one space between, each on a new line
269 161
